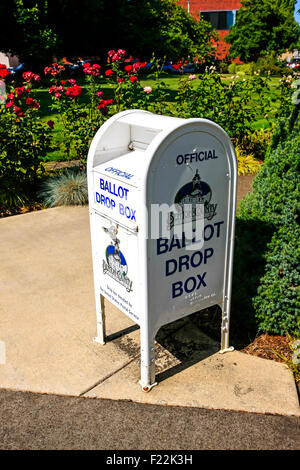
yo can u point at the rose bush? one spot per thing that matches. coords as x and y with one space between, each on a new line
81 108
78 119
25 140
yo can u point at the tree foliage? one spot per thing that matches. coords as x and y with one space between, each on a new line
263 26
26 31
37 29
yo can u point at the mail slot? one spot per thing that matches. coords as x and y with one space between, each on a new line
162 200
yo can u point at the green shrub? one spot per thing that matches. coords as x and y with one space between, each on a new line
242 69
272 213
69 189
276 190
277 304
269 66
232 69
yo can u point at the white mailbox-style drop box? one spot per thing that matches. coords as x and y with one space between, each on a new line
138 164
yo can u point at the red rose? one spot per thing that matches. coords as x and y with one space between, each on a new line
128 68
107 102
20 91
103 108
133 79
74 91
3 71
18 111
32 103
109 73
28 76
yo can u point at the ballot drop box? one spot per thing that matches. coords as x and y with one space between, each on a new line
162 199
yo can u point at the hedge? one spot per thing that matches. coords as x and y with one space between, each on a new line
271 253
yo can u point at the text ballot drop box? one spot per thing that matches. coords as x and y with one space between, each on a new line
162 197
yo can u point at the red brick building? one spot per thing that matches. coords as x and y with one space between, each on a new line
220 13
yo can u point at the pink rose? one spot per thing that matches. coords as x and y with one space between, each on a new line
115 57
148 89
136 66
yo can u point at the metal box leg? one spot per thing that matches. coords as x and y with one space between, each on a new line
225 334
100 311
147 362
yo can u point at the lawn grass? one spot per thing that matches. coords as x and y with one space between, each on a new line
171 85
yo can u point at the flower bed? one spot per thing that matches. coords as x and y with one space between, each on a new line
80 106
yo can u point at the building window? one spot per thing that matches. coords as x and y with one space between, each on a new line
220 20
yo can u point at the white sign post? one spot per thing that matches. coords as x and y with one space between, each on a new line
162 196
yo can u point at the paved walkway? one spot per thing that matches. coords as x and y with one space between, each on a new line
47 321
33 421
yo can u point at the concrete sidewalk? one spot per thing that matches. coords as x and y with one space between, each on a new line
47 321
